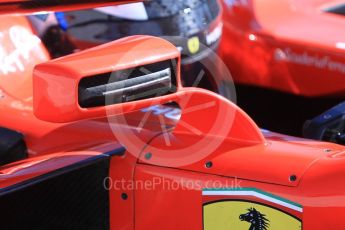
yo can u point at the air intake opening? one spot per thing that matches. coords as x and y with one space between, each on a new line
127 85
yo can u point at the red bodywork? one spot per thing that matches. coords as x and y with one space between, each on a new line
291 46
213 145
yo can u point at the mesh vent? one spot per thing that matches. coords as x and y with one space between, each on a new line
69 199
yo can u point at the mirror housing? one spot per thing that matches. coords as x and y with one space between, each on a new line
111 79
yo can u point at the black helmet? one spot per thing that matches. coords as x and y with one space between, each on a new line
197 22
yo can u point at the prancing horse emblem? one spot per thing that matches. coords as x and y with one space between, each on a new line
258 221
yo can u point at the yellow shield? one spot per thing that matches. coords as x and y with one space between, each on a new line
193 45
249 208
226 215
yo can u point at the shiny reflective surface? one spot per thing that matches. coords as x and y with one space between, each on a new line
277 45
306 172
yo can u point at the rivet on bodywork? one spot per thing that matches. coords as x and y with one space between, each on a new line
124 196
293 178
208 164
148 156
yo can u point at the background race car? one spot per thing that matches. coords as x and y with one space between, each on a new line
287 57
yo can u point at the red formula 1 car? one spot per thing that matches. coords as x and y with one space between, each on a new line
292 46
194 26
287 56
107 138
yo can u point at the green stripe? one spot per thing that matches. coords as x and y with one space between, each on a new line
255 190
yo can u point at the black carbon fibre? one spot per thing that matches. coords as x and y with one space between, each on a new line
71 198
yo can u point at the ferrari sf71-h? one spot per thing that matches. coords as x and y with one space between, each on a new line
108 138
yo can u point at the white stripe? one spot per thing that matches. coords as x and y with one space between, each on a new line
134 11
255 194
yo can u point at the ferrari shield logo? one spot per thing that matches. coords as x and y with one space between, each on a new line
193 45
247 209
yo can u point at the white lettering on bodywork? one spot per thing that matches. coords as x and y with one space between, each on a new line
214 35
23 42
306 59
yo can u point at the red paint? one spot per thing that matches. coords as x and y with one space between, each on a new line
241 152
257 32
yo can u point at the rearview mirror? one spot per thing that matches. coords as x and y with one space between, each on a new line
115 78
